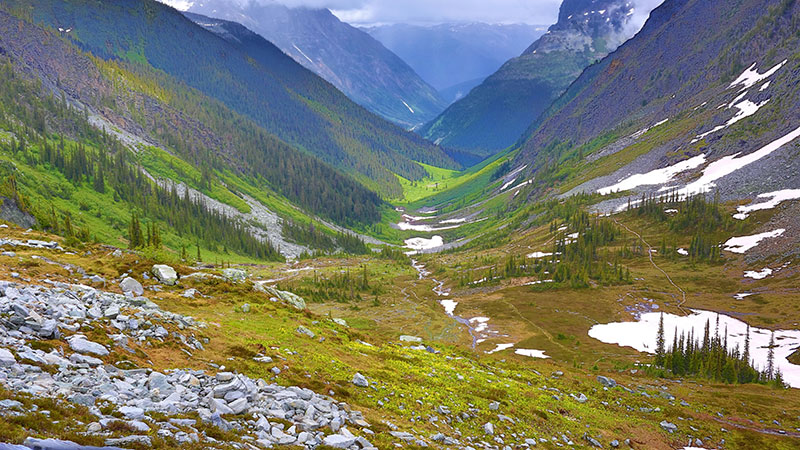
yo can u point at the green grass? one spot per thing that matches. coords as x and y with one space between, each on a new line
162 164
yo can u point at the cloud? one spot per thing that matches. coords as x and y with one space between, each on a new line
416 11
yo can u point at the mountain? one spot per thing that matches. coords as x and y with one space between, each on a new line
452 54
496 113
652 117
345 56
278 94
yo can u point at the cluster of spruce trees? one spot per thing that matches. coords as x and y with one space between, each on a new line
341 287
108 168
712 358
688 215
312 236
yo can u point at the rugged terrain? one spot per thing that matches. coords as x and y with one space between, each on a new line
496 113
348 58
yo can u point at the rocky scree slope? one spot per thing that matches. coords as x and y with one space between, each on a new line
495 114
720 117
348 58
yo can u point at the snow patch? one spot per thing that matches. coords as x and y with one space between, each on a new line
420 243
409 108
729 164
449 306
682 251
659 176
301 52
751 77
531 353
500 348
775 198
758 275
641 335
742 244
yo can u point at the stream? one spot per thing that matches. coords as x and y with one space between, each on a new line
448 305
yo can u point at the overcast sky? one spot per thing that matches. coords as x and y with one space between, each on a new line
367 12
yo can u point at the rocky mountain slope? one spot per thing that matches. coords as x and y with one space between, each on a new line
496 113
455 57
345 56
651 117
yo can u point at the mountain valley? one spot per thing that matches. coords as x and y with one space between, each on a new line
205 244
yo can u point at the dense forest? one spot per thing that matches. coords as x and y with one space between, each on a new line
105 165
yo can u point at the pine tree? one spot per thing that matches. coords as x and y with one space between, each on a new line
660 349
770 372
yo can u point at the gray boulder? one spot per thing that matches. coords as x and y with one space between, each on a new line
360 380
6 358
165 274
607 382
287 297
339 441
669 426
132 286
82 345
235 275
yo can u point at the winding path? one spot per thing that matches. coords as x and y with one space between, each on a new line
652 261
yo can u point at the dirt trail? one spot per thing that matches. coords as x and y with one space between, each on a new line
652 261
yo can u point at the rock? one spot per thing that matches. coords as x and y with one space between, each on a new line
303 330
580 398
130 285
294 300
246 308
132 412
189 293
414 339
444 410
338 441
488 428
239 406
97 279
338 321
360 380
220 407
94 427
6 358
607 382
165 274
615 443
10 404
494 406
130 440
671 427
235 275
81 345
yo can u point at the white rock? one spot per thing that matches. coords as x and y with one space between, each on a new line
132 286
81 345
165 274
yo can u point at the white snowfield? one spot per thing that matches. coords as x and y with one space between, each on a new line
751 77
500 348
420 243
742 244
775 199
655 177
758 275
642 335
729 164
531 353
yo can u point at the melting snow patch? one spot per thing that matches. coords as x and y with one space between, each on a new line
462 220
409 108
729 164
420 243
751 77
500 348
682 251
449 306
539 255
660 176
775 198
764 273
301 52
744 243
505 186
742 295
641 335
531 353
